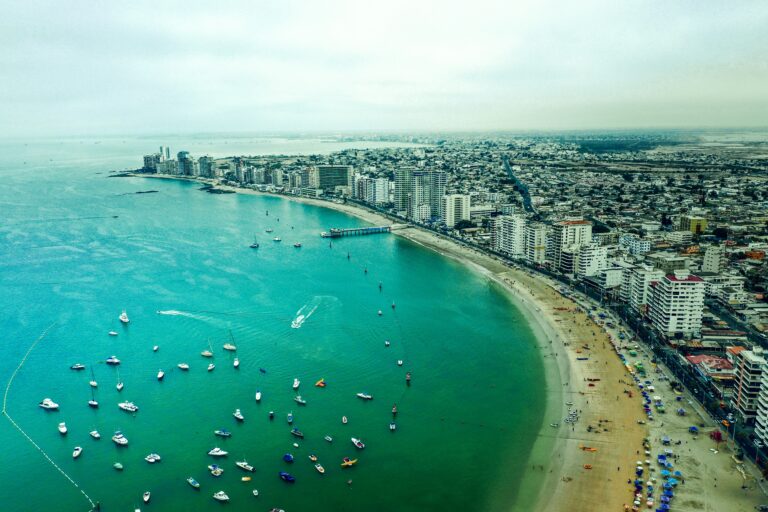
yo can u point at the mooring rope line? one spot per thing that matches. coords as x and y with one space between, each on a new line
16 425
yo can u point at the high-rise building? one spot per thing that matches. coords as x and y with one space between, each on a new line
328 177
186 163
206 164
567 237
508 235
455 208
761 414
633 244
536 243
676 305
749 367
693 223
151 161
714 259
592 258
426 191
403 188
641 278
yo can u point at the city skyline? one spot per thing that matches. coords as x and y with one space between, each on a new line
179 68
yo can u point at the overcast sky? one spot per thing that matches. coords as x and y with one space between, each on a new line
89 67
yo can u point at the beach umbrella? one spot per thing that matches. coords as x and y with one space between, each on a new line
664 472
693 429
668 493
672 481
678 473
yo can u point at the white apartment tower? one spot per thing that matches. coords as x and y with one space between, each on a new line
403 188
749 369
640 281
713 259
761 415
676 304
455 207
536 243
592 259
567 237
508 235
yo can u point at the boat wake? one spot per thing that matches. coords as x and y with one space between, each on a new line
173 312
303 314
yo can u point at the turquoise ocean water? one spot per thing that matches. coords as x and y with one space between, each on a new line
78 247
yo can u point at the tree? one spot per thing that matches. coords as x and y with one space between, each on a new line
464 224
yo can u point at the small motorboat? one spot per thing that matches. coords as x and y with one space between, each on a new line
365 396
554 425
128 406
394 410
119 386
48 404
288 458
77 367
297 244
160 374
152 458
217 452
277 239
320 469
262 370
211 367
112 360
290 418
147 497
329 439
117 466
243 464
320 383
62 428
256 492
296 383
269 230
119 439
386 343
245 479
258 395
222 433
399 362
76 453
408 378
297 433
238 415
299 400
112 333
287 477
236 363
380 313
271 415
344 420
183 366
358 443
194 483
313 457
124 317
215 470
347 462
392 426
295 445
94 434
155 348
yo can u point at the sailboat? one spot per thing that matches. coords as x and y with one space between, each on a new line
255 244
92 402
231 345
209 352
119 384
93 382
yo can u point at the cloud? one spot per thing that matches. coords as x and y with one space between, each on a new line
85 67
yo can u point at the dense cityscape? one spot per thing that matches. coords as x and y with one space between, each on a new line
670 233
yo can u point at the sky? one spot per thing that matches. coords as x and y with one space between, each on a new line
86 67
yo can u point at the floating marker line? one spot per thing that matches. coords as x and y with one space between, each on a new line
8 416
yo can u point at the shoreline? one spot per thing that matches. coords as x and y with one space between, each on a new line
554 452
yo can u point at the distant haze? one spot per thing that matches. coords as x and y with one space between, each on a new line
84 67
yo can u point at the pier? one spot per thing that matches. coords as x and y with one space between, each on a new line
338 233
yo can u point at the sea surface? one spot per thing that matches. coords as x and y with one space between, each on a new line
77 247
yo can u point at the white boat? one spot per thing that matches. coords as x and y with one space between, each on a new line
147 496
160 374
238 415
152 458
344 420
113 360
392 426
329 439
155 348
380 313
297 244
93 382
211 367
296 383
299 400
258 396
48 404
128 406
320 469
218 452
62 428
183 366
236 363
119 386
386 343
95 434
277 239
229 346
221 496
206 353
118 466
358 443
215 470
120 439
112 333
93 403
76 453
242 464
365 396
124 317
399 362
256 492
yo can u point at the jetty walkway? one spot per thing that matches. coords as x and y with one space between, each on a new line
339 232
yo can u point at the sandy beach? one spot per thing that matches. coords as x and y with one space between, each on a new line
587 464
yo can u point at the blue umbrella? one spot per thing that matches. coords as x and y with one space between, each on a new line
664 472
678 473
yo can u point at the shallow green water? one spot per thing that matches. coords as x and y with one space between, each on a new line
464 428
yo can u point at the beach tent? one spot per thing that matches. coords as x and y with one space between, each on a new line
693 430
665 440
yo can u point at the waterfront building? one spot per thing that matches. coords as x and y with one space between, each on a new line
761 414
536 243
207 166
455 208
567 237
641 278
427 189
403 188
186 163
592 258
508 235
676 305
168 167
329 177
151 161
693 223
749 369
